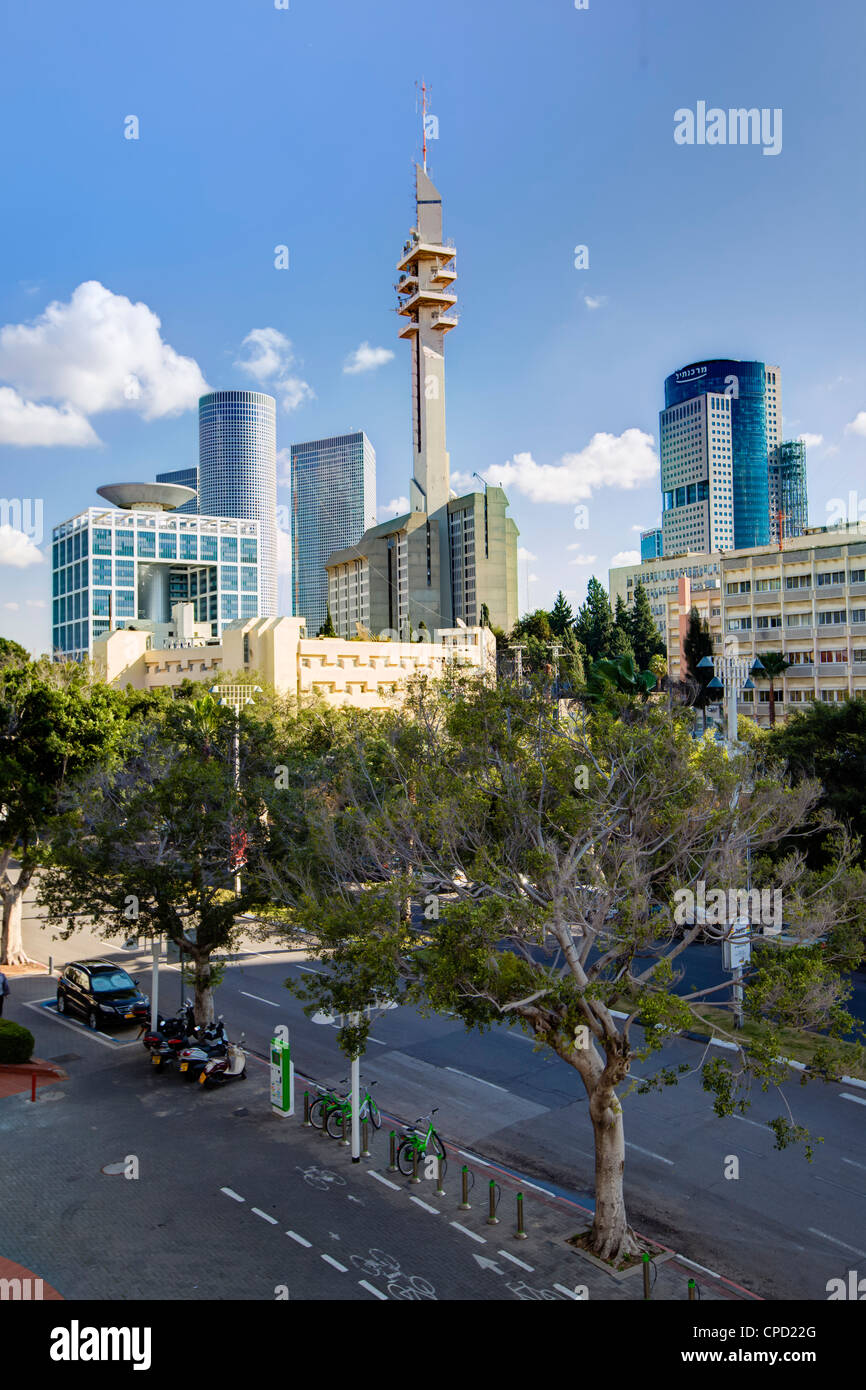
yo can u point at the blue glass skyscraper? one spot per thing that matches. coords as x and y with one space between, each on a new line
237 473
743 385
333 504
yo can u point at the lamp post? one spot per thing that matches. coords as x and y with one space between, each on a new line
235 697
731 674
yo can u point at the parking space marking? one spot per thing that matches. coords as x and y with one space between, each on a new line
370 1289
229 1193
425 1205
49 1006
834 1241
514 1260
300 1239
479 1079
336 1263
471 1234
387 1181
264 1215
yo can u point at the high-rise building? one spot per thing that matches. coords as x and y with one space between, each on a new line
183 477
237 472
448 557
715 441
789 504
333 503
651 545
130 564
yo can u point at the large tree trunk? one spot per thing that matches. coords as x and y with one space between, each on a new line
11 942
772 705
611 1237
203 1003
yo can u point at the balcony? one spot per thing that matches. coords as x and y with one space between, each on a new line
427 251
442 299
408 329
737 600
446 275
445 320
406 283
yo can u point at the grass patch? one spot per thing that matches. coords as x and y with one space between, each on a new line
797 1045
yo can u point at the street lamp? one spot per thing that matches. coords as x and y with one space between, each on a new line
236 697
731 674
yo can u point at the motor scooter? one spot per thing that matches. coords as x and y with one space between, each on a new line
230 1065
211 1041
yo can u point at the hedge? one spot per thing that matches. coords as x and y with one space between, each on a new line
16 1043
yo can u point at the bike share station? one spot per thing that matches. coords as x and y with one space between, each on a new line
329 1020
282 1074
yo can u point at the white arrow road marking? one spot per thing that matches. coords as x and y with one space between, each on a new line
264 1215
471 1234
371 1289
300 1239
335 1263
858 1100
834 1241
229 1193
485 1263
514 1260
260 999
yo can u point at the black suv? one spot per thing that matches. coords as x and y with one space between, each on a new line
101 992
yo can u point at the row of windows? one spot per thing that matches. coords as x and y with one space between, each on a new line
831 617
796 581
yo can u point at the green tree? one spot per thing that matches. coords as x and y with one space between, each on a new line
484 617
55 723
698 644
775 665
327 629
594 624
828 742
561 616
564 841
12 653
645 637
621 643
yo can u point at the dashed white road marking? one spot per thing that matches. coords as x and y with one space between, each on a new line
858 1100
300 1239
264 1215
260 999
229 1193
370 1289
336 1263
834 1241
649 1153
308 970
569 1293
754 1123
387 1181
370 1038
471 1234
693 1264
479 1079
514 1260
855 1165
425 1205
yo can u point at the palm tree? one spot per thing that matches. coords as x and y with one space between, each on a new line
774 665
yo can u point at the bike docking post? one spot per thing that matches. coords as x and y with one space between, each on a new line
414 1177
493 1219
464 1188
307 1122
692 1291
344 1140
646 1275
392 1165
440 1190
521 1229
365 1139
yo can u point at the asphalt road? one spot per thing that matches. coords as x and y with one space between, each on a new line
782 1228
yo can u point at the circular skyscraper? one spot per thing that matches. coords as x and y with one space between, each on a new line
238 471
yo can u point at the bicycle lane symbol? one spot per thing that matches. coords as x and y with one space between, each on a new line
378 1265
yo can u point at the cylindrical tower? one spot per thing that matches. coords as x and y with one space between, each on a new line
237 475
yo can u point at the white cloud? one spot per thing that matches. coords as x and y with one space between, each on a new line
858 424
524 554
622 461
582 559
97 352
12 606
284 467
594 301
284 553
532 579
270 353
24 424
396 507
17 549
366 359
811 440
36 603
293 392
461 483
624 557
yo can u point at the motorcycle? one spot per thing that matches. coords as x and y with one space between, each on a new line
232 1064
166 1040
211 1041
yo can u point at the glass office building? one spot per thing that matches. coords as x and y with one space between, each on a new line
237 472
112 567
186 477
651 544
333 504
789 503
742 388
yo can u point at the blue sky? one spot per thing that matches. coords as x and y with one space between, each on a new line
261 127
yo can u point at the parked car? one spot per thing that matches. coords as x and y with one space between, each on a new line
101 993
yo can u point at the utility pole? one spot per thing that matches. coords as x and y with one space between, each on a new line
236 697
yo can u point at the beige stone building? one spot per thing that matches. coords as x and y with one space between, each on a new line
365 675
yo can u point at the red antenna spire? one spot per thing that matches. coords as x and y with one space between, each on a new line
424 122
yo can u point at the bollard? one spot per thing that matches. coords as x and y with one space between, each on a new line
344 1140
414 1177
307 1110
365 1139
646 1275
464 1176
33 1087
50 965
521 1229
392 1166
440 1190
492 1219
693 1293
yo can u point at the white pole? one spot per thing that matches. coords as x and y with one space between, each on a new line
154 990
236 760
356 1099
731 682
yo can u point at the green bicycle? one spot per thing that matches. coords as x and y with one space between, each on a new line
336 1113
419 1142
323 1104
